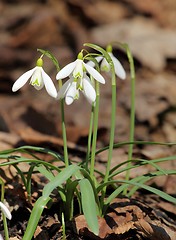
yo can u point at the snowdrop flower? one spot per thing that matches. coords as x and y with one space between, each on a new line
70 89
104 66
78 80
5 210
39 79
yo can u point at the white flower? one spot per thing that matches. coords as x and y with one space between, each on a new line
5 210
78 80
104 66
38 79
70 89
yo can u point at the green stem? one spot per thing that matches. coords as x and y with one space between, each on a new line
132 113
89 137
64 134
112 133
95 128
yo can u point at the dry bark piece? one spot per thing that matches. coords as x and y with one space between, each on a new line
151 231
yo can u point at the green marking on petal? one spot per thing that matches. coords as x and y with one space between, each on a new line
105 68
79 87
76 96
35 82
76 76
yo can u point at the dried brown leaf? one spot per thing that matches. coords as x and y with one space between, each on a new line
81 226
124 228
149 43
151 231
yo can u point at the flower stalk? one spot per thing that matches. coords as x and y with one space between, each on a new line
132 113
89 136
64 132
112 131
110 62
95 129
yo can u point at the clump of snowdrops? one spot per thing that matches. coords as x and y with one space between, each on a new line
73 180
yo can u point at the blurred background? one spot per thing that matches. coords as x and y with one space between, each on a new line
32 117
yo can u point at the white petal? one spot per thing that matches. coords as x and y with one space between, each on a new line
71 94
95 74
39 87
21 81
105 65
88 90
92 64
119 70
1 238
99 58
64 89
5 210
49 85
78 71
66 71
37 79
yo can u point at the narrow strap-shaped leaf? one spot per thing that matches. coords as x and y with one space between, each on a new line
35 217
89 205
140 185
59 179
44 171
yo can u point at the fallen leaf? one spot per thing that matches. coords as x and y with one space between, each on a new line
149 43
151 231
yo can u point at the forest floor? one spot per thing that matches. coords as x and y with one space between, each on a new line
29 117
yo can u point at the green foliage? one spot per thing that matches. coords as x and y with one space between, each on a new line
89 205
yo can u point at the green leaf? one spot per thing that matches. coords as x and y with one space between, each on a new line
89 205
30 150
43 170
59 179
70 190
35 217
118 145
139 185
139 163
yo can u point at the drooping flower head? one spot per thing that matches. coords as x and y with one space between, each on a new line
104 65
5 210
39 79
78 80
